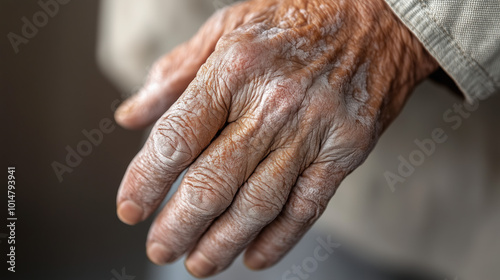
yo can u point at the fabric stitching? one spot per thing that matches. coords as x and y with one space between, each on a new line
470 61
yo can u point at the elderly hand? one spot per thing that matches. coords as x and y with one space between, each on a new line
280 101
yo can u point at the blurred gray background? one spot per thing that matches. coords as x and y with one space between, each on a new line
51 90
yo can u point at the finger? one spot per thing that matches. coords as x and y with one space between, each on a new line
208 187
175 142
170 76
307 201
257 203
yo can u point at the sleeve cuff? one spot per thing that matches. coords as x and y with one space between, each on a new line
474 81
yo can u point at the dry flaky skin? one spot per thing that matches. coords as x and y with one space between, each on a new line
280 101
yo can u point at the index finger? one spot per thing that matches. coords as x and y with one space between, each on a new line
177 139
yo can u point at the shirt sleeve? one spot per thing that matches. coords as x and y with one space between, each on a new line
463 36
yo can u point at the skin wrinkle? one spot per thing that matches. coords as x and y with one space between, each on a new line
204 175
259 206
189 196
138 178
244 212
358 95
137 175
290 97
176 147
183 122
202 198
171 149
171 230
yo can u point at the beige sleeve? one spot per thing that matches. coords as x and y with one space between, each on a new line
463 36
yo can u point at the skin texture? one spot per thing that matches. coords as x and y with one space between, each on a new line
271 105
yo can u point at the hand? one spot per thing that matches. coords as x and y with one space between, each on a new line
280 101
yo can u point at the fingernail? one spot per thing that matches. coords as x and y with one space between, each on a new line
125 108
129 212
159 254
199 265
255 260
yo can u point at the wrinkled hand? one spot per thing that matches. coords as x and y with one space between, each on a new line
280 101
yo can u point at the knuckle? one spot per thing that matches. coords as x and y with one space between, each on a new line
259 203
240 54
170 145
303 210
204 196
